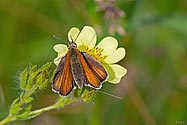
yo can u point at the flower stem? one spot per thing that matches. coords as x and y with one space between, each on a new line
7 119
62 101
39 111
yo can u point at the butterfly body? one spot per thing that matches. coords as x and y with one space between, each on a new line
77 69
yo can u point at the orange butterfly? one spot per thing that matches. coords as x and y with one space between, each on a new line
77 69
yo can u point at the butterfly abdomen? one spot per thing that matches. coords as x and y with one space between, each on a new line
76 68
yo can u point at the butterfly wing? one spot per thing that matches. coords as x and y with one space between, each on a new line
94 71
96 67
63 81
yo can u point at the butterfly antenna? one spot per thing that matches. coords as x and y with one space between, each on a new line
117 97
71 38
58 38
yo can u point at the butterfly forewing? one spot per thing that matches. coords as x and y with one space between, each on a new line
58 73
92 72
95 66
63 81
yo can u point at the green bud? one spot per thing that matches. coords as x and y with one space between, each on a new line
86 94
34 77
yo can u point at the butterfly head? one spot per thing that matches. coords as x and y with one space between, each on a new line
72 45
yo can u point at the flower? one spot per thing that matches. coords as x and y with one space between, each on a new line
106 52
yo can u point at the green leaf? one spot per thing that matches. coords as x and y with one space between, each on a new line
24 113
30 116
23 78
15 108
87 94
28 99
62 101
21 97
33 69
46 66
39 79
42 79
29 83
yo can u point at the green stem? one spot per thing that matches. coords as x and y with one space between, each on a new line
7 119
10 117
59 104
62 101
39 111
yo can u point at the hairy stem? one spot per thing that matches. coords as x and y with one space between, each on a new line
61 102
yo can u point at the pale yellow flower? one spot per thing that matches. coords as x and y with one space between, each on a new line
106 52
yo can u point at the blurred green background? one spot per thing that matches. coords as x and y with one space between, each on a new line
154 34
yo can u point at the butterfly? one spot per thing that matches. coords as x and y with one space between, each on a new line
76 70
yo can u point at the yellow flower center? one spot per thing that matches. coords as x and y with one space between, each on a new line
96 53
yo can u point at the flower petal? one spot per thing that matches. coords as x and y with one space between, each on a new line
115 80
116 56
119 70
57 61
61 49
73 33
108 44
87 37
116 72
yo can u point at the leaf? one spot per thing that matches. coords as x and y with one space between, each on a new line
32 80
30 116
24 114
23 78
86 94
28 99
15 108
46 66
33 69
42 79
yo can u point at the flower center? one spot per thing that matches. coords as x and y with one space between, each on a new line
96 53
